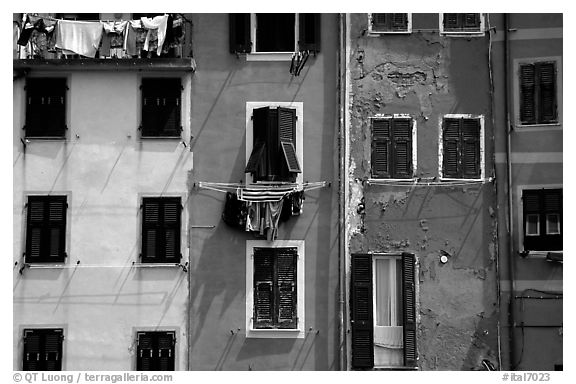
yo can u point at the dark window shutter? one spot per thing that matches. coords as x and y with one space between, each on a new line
258 163
32 351
42 350
172 216
46 229
528 94
471 21
399 21
381 143
451 21
287 136
409 308
239 24
161 107
145 352
161 225
380 22
286 287
451 148
542 202
309 32
361 312
470 156
46 107
402 145
53 351
256 157
547 101
166 350
263 288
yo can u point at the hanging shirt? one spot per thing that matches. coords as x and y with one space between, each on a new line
81 37
158 23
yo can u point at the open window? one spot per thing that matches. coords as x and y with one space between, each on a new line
462 147
155 351
392 143
379 23
161 108
542 213
46 229
43 349
161 226
469 24
46 108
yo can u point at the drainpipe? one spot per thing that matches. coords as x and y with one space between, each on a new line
511 256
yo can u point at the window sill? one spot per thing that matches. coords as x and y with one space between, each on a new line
275 333
46 265
147 138
269 56
395 369
44 138
539 254
462 33
378 33
156 265
538 127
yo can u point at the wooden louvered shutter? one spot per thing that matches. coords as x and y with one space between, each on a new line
145 352
161 107
286 294
399 21
171 222
287 137
165 350
257 163
32 351
309 32
470 148
381 148
46 229
532 204
46 107
379 22
552 203
35 231
547 96
409 308
239 24
161 230
42 350
542 202
263 288
151 228
451 21
361 312
470 21
451 148
402 144
528 94
53 350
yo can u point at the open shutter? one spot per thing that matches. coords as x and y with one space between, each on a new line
171 222
46 107
165 350
239 24
451 148
547 101
527 94
470 156
361 312
409 308
145 352
309 32
263 288
286 259
552 203
402 138
287 137
381 143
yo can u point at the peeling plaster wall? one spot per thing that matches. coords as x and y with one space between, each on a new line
427 75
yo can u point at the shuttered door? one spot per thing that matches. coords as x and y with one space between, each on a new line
161 224
46 107
46 229
263 288
470 155
309 32
528 94
287 137
239 28
451 148
402 139
361 312
409 309
42 350
547 100
286 287
381 148
161 107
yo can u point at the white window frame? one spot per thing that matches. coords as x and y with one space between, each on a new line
516 89
371 32
537 233
299 332
414 143
548 232
441 146
299 106
271 56
480 32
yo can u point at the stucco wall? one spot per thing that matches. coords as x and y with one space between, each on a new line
426 75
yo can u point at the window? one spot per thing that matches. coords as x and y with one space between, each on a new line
462 147
392 147
161 107
462 23
45 108
46 229
383 310
274 140
542 219
155 351
161 229
389 23
42 350
78 16
275 289
274 32
538 103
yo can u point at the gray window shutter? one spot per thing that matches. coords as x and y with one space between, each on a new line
547 100
161 225
409 309
287 137
528 94
381 148
361 312
470 156
451 148
263 288
46 229
258 163
402 147
42 350
286 294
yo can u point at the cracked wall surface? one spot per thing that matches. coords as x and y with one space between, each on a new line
426 76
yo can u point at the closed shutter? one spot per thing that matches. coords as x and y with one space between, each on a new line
470 156
286 287
161 224
42 350
451 21
402 139
53 351
309 32
542 202
166 358
46 107
409 308
528 94
172 216
380 22
381 148
46 229
451 148
145 352
361 312
465 22
399 21
32 351
471 21
239 24
287 137
161 107
547 80
263 288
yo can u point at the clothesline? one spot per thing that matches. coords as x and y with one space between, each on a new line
430 183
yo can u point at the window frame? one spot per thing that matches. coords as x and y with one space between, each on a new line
414 145
462 33
44 332
253 34
295 333
299 107
481 118
162 260
64 236
29 111
156 333
522 215
180 111
372 32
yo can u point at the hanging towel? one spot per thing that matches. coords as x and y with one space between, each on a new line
115 31
158 23
389 337
273 210
263 193
81 37
253 217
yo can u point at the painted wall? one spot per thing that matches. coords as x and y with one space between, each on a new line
427 76
536 161
221 87
99 297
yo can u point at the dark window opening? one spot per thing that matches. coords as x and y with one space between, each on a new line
538 104
275 32
78 16
461 22
45 108
389 22
542 219
46 229
155 351
161 221
161 107
461 148
42 350
392 148
275 288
